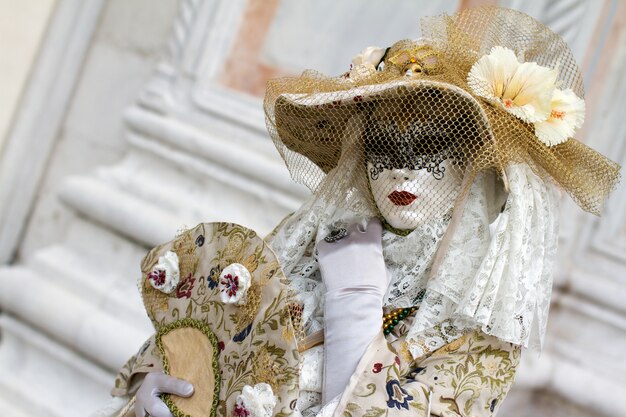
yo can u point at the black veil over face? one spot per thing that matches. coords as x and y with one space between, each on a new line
396 136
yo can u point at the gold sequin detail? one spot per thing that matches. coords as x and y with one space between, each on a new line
185 248
247 312
404 352
265 369
455 344
251 263
269 271
235 246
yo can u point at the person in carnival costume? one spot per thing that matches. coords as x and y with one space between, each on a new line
422 263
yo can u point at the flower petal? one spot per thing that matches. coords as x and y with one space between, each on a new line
523 89
370 55
530 89
490 75
566 116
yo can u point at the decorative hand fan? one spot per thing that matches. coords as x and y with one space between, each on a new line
226 322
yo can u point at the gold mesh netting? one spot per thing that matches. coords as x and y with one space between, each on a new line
394 132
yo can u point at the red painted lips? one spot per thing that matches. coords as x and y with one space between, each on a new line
402 198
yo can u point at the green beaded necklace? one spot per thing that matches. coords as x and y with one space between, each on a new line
390 320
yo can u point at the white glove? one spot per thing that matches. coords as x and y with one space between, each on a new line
354 273
154 384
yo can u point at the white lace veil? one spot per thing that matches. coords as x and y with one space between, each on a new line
488 266
496 276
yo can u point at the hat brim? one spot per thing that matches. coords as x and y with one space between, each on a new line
313 124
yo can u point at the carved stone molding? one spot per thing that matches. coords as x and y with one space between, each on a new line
41 113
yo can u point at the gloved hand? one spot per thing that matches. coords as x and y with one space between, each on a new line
155 383
354 273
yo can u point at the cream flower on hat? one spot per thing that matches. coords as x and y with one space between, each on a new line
364 64
567 115
369 56
522 89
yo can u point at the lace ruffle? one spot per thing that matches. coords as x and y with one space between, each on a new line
495 275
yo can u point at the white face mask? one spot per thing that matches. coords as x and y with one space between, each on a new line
407 198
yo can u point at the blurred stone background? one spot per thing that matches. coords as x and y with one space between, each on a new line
122 121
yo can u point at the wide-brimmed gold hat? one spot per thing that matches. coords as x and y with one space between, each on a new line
500 85
307 123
